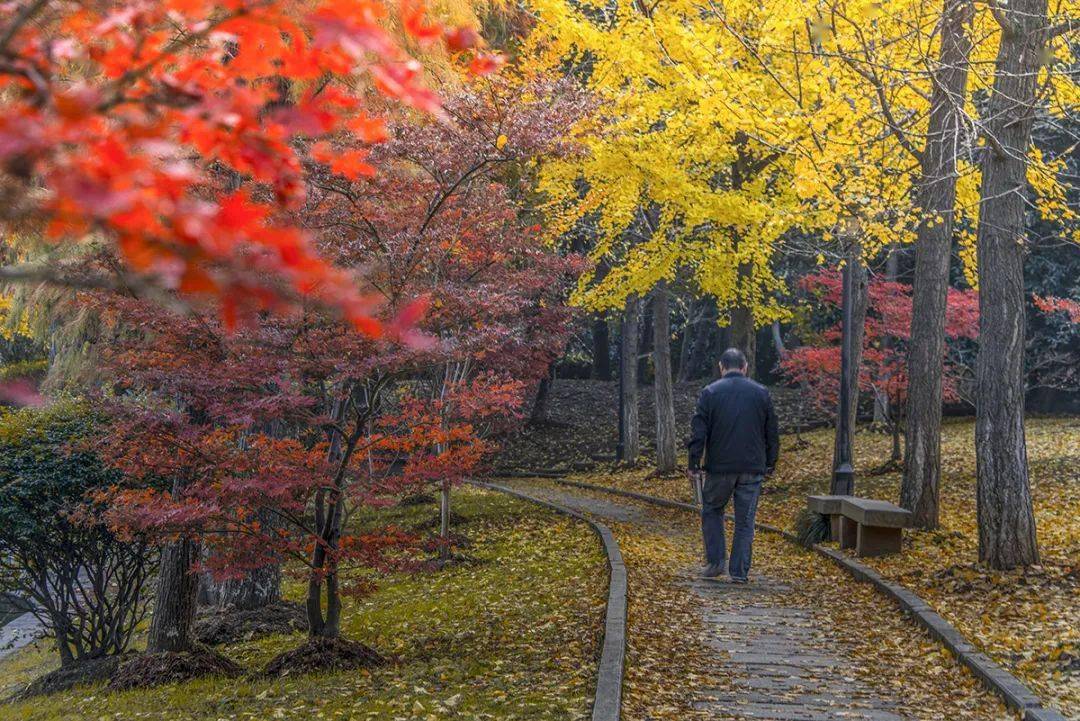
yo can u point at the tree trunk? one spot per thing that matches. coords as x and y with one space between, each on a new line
601 370
1006 519
703 345
540 404
259 587
177 593
882 411
328 507
175 598
645 338
324 574
778 340
662 385
694 316
859 300
743 332
628 384
897 453
933 250
444 521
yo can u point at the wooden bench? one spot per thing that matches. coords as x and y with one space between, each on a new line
828 506
871 527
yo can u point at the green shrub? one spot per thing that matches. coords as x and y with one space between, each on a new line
84 583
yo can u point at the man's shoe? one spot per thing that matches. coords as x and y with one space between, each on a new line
735 579
713 570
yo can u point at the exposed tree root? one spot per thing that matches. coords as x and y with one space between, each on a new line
324 654
155 669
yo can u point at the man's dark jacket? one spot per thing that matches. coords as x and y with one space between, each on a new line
735 427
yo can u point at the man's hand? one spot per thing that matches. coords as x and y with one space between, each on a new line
693 474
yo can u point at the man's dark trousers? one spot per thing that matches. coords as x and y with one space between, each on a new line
719 488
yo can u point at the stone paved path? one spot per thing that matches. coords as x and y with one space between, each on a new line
783 662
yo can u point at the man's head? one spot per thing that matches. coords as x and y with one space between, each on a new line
732 360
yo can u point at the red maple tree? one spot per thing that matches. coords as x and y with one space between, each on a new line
127 124
276 435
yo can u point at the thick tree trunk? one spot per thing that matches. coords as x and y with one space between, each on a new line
628 384
177 593
933 251
175 598
256 589
859 300
601 338
662 385
743 331
1006 519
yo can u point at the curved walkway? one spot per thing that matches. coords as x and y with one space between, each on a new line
780 661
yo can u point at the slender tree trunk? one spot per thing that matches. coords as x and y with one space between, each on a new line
703 344
897 453
662 384
444 521
859 300
324 574
645 339
778 340
1006 519
694 317
327 520
541 403
601 370
933 250
882 411
628 346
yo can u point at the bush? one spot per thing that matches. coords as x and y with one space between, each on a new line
84 583
811 528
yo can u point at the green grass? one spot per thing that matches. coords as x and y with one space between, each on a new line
515 635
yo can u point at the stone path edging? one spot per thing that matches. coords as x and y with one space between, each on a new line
1014 692
607 702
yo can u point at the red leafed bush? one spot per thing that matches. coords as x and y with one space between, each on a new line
884 371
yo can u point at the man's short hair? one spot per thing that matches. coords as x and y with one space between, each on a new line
732 359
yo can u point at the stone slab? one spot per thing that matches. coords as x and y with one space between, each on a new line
872 512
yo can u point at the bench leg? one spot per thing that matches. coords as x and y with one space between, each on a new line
834 526
878 541
848 532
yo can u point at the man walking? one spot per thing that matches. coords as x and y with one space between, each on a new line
735 428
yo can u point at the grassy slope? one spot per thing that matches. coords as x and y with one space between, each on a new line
514 636
1029 620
